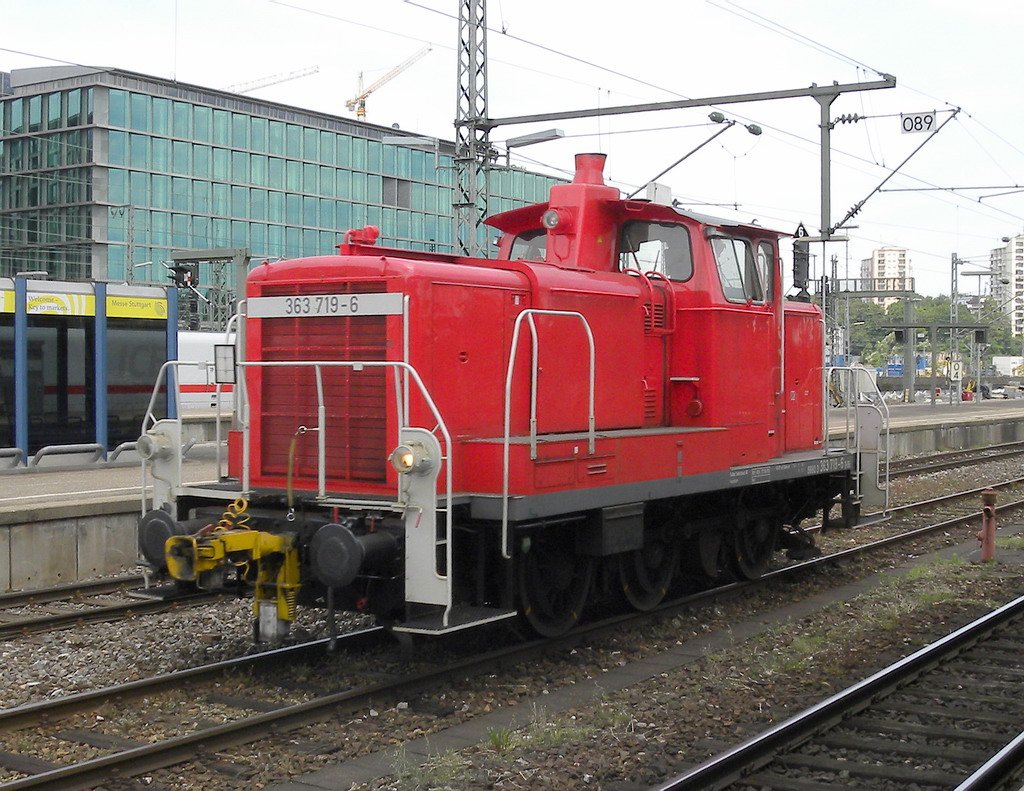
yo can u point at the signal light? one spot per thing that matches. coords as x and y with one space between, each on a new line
185 275
801 261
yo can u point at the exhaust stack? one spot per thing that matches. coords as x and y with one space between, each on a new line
590 169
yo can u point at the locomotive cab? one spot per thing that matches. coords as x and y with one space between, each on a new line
444 441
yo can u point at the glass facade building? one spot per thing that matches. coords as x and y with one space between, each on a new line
104 172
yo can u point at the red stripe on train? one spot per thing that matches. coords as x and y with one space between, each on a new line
143 389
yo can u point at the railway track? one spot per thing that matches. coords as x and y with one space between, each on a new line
74 590
49 609
947 716
251 710
30 612
952 459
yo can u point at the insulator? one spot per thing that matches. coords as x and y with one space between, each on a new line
849 118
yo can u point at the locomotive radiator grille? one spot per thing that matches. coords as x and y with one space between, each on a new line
356 419
654 318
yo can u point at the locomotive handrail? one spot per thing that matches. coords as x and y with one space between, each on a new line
149 419
670 300
853 443
528 314
670 297
397 366
237 318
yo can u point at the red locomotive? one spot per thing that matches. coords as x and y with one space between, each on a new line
446 441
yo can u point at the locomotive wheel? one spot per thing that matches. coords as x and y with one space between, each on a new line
714 553
647 573
753 545
553 585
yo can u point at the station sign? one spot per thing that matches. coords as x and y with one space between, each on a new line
136 307
60 304
64 304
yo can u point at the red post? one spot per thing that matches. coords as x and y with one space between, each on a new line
987 534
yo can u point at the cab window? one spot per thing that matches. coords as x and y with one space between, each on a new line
656 247
530 246
766 269
737 270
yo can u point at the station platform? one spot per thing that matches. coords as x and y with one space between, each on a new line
60 525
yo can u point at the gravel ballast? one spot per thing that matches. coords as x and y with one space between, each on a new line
633 737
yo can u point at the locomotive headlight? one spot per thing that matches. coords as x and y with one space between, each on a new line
154 446
551 219
411 459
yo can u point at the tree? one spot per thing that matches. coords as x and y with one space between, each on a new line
872 340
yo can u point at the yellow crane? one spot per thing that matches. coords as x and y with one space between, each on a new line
358 103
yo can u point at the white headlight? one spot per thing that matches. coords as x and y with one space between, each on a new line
551 219
411 459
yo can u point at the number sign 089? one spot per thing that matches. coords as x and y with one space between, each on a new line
911 123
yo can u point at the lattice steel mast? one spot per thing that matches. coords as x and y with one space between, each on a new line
472 148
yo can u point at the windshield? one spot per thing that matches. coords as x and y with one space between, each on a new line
531 246
740 278
656 247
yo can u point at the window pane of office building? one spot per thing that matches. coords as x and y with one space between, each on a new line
196 168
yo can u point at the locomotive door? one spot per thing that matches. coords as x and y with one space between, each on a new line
658 254
769 269
745 335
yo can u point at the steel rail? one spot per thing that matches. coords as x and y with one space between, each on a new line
71 590
997 769
731 765
54 621
954 459
945 498
154 756
54 708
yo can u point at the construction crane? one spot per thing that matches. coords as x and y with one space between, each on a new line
358 103
273 79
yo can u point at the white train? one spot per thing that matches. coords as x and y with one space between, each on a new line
59 384
199 392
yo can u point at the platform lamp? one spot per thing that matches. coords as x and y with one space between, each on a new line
544 136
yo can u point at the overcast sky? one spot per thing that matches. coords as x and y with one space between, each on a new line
548 55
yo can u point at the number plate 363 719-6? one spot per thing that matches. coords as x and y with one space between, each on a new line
319 305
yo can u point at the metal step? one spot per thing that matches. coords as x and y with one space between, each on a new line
872 519
459 618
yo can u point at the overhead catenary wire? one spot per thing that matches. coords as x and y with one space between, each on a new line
846 154
771 24
794 35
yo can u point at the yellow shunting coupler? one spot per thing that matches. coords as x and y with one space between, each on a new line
231 544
